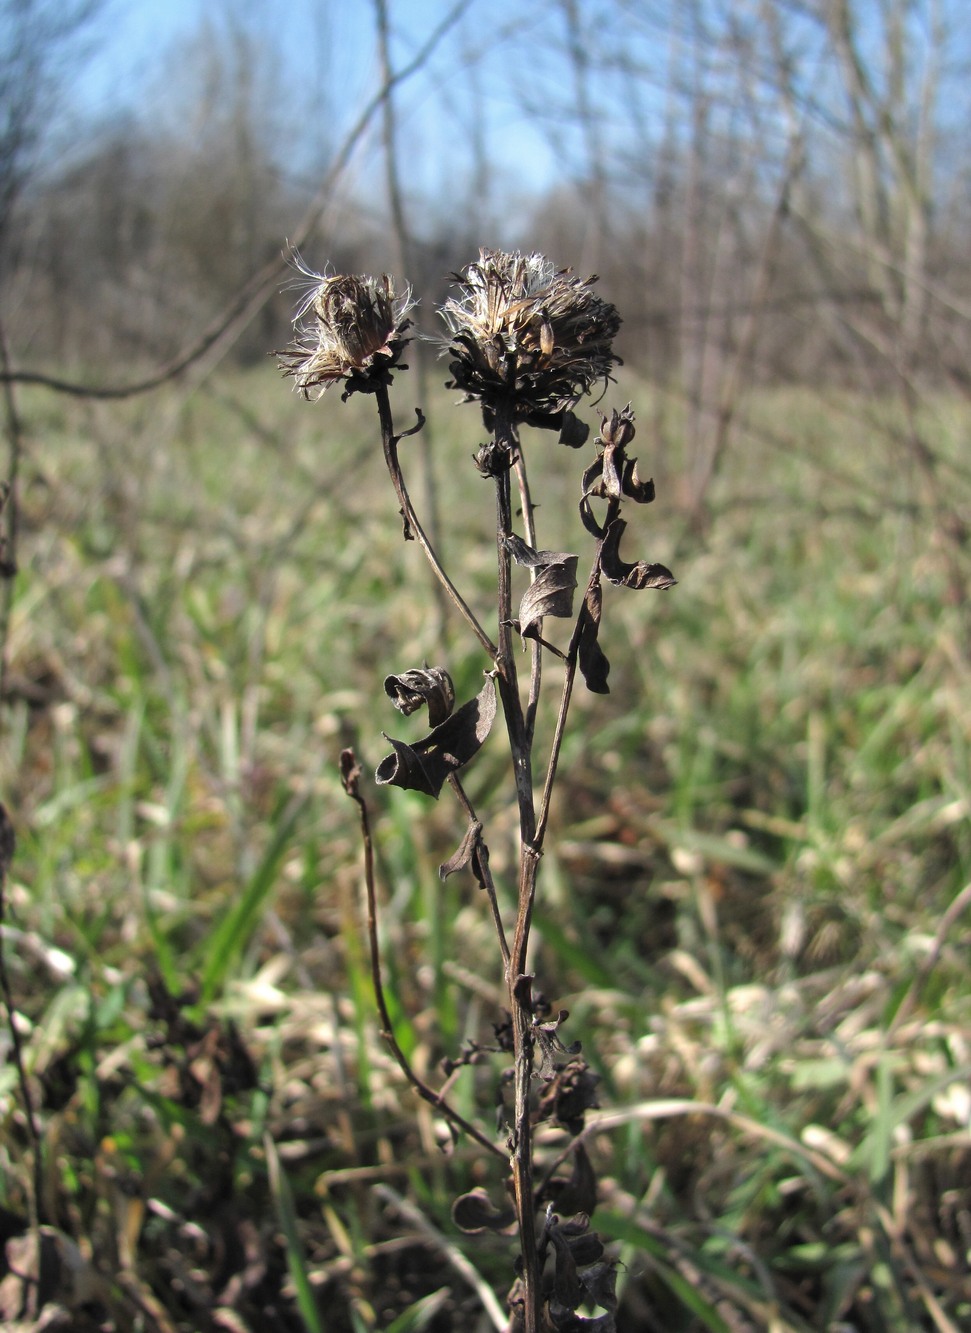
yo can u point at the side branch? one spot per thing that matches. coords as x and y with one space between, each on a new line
390 441
350 775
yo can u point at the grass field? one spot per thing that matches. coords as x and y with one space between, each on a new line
754 902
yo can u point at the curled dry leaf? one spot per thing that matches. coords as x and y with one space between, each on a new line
573 431
471 852
578 1194
638 576
475 1211
591 659
426 765
551 1044
568 1097
425 685
579 1275
551 592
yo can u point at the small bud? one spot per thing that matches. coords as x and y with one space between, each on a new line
617 430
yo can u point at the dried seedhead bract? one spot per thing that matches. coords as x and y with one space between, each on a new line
348 329
527 338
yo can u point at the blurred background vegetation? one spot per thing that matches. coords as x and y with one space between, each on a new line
756 901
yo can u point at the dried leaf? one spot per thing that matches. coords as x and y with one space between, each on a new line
569 1096
573 431
475 1211
579 1193
591 659
426 685
472 852
524 554
614 460
567 1287
600 1281
551 1045
551 592
641 575
425 766
641 492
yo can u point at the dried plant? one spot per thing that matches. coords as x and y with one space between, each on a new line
525 342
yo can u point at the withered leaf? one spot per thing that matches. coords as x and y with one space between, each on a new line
424 685
641 575
592 485
475 1211
524 554
641 492
567 1287
551 1045
613 462
579 1193
426 765
573 431
576 1247
591 659
600 1281
569 1096
471 852
551 592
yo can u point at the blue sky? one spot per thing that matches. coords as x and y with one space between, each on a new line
332 44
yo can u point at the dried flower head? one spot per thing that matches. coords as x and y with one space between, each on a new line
527 336
347 328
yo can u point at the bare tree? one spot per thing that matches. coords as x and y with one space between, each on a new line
38 38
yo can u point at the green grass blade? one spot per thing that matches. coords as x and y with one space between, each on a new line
419 1315
232 935
296 1259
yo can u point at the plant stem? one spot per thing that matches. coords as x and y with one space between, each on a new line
487 881
350 774
536 654
517 980
569 678
413 528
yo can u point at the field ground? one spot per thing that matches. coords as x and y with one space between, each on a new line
754 902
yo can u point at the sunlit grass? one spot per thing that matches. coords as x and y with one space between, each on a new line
757 836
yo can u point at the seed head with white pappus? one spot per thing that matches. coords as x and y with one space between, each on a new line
527 337
348 329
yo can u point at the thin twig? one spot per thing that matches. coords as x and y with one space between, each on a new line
569 679
484 870
350 774
413 527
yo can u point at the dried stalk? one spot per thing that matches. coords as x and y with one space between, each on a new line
526 342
